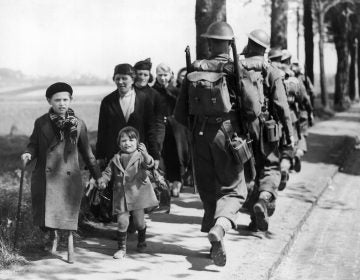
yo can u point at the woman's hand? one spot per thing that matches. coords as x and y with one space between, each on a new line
25 158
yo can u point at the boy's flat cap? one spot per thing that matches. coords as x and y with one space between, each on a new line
58 87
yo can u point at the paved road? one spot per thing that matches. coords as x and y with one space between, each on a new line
328 246
178 250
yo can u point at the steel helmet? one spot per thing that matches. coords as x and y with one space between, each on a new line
274 53
219 30
260 37
285 55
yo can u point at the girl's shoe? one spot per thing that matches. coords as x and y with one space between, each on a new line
141 246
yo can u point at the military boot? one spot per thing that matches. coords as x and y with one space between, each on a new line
284 179
121 253
252 226
217 251
261 212
141 240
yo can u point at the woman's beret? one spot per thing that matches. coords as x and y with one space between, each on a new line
143 64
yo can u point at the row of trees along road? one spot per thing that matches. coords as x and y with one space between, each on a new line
334 21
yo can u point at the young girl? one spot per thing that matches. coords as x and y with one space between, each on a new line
56 187
132 190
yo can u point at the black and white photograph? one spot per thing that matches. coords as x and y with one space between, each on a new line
194 139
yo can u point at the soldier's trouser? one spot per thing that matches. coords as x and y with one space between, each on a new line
220 179
267 158
304 133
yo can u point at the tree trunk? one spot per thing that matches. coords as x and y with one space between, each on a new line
342 72
309 39
353 78
207 12
358 69
340 26
279 21
324 94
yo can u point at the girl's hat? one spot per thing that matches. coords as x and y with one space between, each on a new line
143 64
124 69
58 87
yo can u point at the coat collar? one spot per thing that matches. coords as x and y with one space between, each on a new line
48 131
115 104
134 158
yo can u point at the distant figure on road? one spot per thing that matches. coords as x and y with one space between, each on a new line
126 106
132 189
57 139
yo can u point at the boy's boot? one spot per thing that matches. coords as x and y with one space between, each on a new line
261 211
51 241
216 238
141 240
120 254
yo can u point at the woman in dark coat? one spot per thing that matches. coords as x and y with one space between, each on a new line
143 77
126 106
172 137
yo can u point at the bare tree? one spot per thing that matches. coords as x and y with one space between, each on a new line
279 22
207 12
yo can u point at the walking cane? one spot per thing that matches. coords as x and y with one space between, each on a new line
18 214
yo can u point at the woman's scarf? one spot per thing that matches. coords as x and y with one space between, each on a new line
65 126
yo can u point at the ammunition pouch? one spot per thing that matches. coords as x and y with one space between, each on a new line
271 131
241 150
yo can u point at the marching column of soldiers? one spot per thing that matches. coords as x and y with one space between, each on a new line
248 120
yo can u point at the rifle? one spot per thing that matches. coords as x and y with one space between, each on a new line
238 90
188 70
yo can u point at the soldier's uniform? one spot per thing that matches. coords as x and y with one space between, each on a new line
301 111
220 179
263 193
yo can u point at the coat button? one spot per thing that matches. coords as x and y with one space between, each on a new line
68 173
48 169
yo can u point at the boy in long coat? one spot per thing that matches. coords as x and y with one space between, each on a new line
55 143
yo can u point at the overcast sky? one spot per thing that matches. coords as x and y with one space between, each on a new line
64 37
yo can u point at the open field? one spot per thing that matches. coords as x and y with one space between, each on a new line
20 109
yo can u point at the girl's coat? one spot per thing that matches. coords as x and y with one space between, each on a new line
132 189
